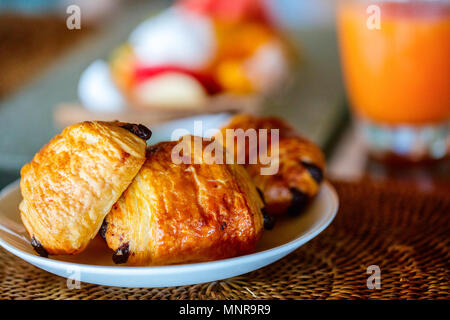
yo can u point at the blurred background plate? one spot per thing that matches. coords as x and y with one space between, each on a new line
48 76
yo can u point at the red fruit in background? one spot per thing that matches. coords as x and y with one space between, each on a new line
208 82
229 10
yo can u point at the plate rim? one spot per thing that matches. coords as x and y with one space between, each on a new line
288 247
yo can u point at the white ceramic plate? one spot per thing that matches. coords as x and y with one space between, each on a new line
94 265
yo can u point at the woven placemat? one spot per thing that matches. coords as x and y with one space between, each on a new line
403 231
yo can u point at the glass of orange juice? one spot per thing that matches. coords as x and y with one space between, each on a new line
396 63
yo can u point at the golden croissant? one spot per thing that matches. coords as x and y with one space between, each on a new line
184 212
73 182
300 165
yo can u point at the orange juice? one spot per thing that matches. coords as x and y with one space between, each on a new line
398 73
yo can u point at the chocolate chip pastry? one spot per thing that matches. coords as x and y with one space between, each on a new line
186 212
301 164
73 182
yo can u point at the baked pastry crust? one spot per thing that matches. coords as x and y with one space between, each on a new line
73 181
179 213
301 165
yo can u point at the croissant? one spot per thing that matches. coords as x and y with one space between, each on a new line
73 182
301 164
184 212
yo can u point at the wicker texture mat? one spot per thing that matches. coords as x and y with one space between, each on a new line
404 232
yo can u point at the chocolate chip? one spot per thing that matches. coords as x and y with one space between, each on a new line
139 130
261 194
121 255
299 202
38 247
103 229
269 220
314 171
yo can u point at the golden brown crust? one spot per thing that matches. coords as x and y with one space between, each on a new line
178 213
73 181
301 165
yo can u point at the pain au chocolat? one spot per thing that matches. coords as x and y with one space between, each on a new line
300 162
73 182
184 212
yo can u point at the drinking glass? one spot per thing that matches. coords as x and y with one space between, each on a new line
395 58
